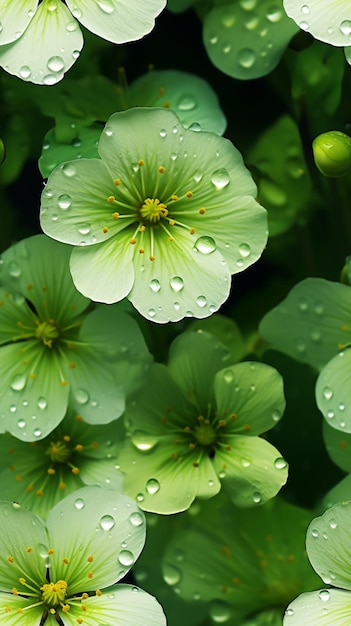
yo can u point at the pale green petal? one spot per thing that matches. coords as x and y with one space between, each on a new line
253 392
340 493
20 529
14 18
326 20
48 48
118 21
188 95
194 360
103 524
338 445
74 205
333 391
34 394
252 471
347 51
312 323
122 605
102 472
164 484
181 281
326 607
15 316
37 268
55 152
246 40
328 544
105 271
10 607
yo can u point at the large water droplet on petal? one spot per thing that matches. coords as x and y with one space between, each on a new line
176 283
126 558
18 382
152 486
136 519
155 285
171 574
205 245
79 504
220 611
107 522
220 178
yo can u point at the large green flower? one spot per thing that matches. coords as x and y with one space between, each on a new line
54 352
195 427
41 39
328 545
57 573
40 473
163 218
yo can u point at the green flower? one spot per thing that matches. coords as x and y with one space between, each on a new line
54 353
240 563
328 546
56 573
40 40
332 153
163 218
39 474
313 325
195 427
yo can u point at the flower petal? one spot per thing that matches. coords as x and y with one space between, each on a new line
326 607
253 392
312 323
121 605
328 545
107 534
15 20
49 46
326 20
338 445
333 391
118 21
12 609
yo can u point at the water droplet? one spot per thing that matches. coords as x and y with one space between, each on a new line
205 245
274 14
244 250
155 285
304 25
201 301
300 345
69 170
246 58
143 441
213 40
151 312
280 463
106 6
64 201
163 133
140 497
228 376
324 595
79 504
220 611
333 524
330 415
13 408
37 432
328 393
21 423
14 269
84 229
289 612
56 64
176 306
108 131
318 308
220 178
171 574
256 496
186 103
50 79
107 522
315 533
176 283
345 27
152 486
18 382
245 462
341 407
136 519
42 403
82 396
196 127
25 72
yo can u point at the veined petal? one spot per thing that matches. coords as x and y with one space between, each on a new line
326 607
23 547
254 470
312 323
16 318
252 393
31 378
14 608
121 605
14 19
333 394
118 21
49 46
338 445
326 20
328 545
101 472
75 207
107 534
38 269
104 271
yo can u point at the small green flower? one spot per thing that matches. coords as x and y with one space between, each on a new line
54 352
332 153
328 546
40 40
58 572
163 218
195 427
40 473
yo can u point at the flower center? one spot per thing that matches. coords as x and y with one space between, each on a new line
152 210
205 434
58 451
47 332
54 593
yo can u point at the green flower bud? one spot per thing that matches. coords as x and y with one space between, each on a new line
332 153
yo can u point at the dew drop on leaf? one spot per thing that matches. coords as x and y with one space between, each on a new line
107 522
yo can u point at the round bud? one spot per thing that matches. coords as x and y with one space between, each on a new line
332 153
